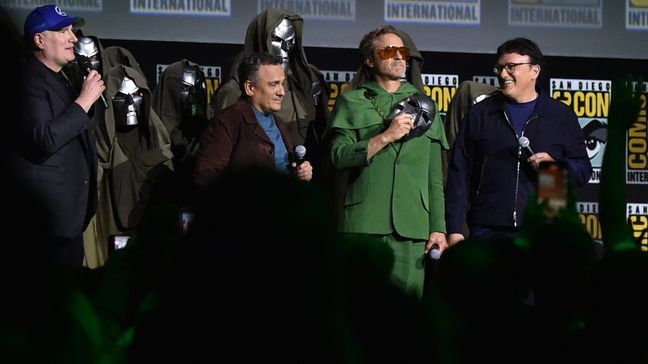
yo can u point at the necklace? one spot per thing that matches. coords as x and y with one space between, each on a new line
375 106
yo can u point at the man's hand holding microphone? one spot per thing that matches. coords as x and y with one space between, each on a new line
302 167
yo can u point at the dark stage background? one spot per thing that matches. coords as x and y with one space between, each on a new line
589 44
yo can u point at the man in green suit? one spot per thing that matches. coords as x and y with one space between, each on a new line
395 188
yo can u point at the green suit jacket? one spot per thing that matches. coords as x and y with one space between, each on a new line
401 188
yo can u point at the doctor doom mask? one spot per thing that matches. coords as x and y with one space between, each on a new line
128 105
423 109
283 41
193 93
87 54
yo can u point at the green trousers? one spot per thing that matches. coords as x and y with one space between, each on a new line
408 272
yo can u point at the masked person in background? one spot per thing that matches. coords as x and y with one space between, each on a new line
180 99
395 186
304 107
127 154
56 158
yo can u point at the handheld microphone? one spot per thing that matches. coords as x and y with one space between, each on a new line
300 153
86 49
524 144
435 253
101 96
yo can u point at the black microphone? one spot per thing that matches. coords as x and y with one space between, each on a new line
300 153
524 144
435 252
86 48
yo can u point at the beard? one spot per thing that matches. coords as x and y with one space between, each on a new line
394 69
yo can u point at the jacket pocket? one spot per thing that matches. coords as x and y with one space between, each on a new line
482 176
425 199
358 189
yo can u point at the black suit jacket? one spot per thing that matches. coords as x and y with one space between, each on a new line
56 156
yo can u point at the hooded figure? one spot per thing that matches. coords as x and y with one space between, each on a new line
180 99
304 107
140 153
117 200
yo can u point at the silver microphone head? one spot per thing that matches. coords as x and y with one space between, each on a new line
300 151
524 141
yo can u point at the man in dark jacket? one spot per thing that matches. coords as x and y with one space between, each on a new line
491 175
56 157
249 134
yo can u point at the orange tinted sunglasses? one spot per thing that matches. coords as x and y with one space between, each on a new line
390 52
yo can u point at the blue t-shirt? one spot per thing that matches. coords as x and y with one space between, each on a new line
268 124
520 113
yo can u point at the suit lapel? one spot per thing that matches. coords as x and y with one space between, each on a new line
50 78
250 118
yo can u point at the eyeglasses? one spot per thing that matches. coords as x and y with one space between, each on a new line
509 67
390 52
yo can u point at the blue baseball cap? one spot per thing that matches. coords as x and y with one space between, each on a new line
49 17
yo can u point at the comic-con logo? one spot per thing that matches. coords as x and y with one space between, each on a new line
440 88
637 14
590 100
637 214
589 217
186 7
637 151
314 9
460 12
489 80
338 82
557 13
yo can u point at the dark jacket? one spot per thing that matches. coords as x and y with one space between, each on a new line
234 141
56 158
489 180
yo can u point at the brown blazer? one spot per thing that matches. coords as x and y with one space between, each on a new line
234 141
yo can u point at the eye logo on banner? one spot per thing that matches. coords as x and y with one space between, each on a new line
212 78
556 13
637 153
458 12
315 9
440 88
338 82
590 100
589 217
181 7
637 14
637 215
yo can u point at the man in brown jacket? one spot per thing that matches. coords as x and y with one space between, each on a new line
248 134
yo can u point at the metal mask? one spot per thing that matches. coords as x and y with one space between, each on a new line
87 54
423 109
193 92
283 41
127 104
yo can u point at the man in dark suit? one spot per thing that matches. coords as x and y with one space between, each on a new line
56 156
